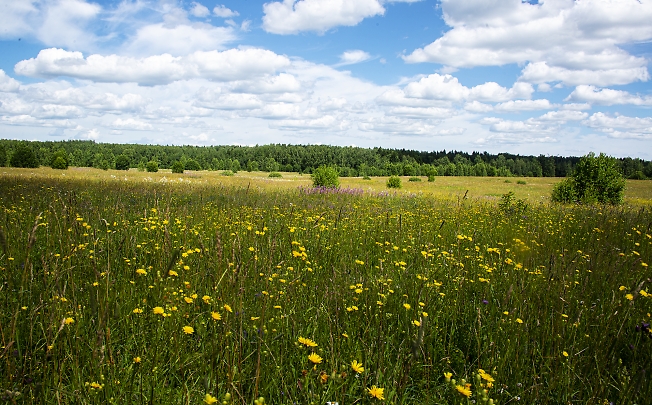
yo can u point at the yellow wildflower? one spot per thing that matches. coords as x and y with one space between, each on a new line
315 358
158 310
216 316
188 330
357 367
376 392
307 342
464 389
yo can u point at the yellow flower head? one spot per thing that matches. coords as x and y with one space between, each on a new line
137 359
407 306
227 308
209 399
464 389
68 321
158 310
376 392
216 316
307 342
188 330
206 299
448 376
188 300
629 297
142 272
357 367
315 358
485 376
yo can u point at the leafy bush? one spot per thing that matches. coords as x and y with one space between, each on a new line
394 182
521 182
564 191
178 167
637 175
431 178
59 163
24 156
59 160
3 156
595 179
275 174
152 166
366 177
414 178
227 173
191 164
122 162
325 176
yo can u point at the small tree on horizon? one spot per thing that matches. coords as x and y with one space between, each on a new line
595 179
325 176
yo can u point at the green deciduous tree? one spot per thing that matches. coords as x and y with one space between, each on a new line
595 179
24 156
325 176
122 162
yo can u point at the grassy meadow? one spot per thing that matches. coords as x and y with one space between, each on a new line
157 288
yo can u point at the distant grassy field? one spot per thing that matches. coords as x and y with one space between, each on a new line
536 189
154 288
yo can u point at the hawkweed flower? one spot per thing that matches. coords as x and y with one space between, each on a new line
227 308
464 389
307 342
158 311
68 321
357 367
376 392
315 358
188 330
216 316
447 377
137 359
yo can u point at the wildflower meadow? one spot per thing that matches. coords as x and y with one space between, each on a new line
133 292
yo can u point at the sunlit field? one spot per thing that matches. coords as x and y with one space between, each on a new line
160 288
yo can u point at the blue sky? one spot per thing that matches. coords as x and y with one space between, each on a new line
554 77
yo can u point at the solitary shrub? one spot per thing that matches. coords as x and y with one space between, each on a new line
59 160
414 178
59 163
178 167
431 178
366 177
152 166
227 173
24 156
521 182
122 162
275 174
394 182
192 164
325 176
595 179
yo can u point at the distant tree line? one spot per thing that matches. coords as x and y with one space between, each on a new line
348 161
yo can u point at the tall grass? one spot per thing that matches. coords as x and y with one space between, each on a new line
115 292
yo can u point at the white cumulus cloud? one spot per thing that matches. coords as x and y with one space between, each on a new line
224 12
294 16
594 95
353 56
574 42
233 64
